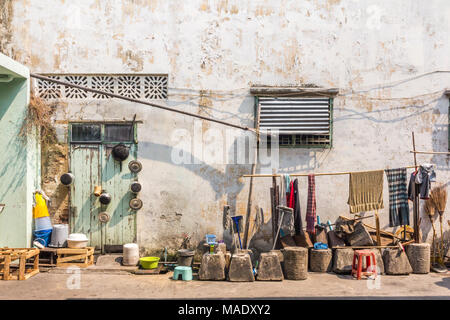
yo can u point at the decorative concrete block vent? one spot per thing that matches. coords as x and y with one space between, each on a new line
212 267
419 257
296 263
269 267
342 261
396 262
241 268
320 260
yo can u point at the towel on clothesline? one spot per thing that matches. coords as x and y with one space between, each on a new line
365 191
311 207
398 197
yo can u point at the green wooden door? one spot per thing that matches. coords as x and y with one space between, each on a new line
85 163
116 180
93 164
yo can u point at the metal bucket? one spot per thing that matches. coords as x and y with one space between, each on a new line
185 257
59 236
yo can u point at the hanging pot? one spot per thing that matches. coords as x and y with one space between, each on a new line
135 187
136 204
120 152
67 179
135 166
105 198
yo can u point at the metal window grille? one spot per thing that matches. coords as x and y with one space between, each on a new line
301 122
145 87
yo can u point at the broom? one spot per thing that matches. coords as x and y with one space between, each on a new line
439 197
430 210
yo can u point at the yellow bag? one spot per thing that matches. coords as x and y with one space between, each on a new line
40 210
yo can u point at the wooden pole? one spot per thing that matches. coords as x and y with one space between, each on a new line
250 191
307 174
415 197
377 224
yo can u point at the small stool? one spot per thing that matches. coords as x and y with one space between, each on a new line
371 266
185 272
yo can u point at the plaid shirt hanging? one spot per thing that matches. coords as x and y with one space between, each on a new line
398 197
311 207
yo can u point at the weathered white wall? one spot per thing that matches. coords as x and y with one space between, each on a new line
383 55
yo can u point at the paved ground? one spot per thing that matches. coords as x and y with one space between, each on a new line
98 285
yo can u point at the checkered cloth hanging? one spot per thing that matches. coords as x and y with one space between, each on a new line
398 197
311 207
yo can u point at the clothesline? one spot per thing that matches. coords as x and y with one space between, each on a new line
307 174
430 152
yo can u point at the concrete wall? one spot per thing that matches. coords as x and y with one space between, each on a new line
19 157
388 58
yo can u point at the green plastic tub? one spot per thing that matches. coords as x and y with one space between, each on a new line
149 262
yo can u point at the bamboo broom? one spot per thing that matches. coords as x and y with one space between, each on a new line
439 197
430 210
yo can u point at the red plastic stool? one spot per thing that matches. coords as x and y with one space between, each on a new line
371 266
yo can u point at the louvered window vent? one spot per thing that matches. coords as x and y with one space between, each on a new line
301 122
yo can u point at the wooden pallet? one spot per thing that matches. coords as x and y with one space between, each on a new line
23 270
69 257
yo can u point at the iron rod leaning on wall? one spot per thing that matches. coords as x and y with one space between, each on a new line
430 152
113 95
306 174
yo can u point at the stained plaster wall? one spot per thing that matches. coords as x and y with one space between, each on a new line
383 55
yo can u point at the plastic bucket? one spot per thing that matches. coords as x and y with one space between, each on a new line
43 236
59 235
149 262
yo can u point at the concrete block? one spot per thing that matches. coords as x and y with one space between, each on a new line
360 237
227 260
320 260
396 262
269 267
334 240
321 235
241 268
287 241
212 267
303 240
379 260
419 257
342 261
222 247
296 263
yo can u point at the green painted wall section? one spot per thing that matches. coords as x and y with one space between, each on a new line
19 158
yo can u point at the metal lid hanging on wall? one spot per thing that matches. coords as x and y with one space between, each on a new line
136 204
104 217
120 152
135 166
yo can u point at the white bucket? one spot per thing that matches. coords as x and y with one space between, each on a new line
130 254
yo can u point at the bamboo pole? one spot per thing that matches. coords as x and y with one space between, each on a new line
306 174
430 152
415 202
